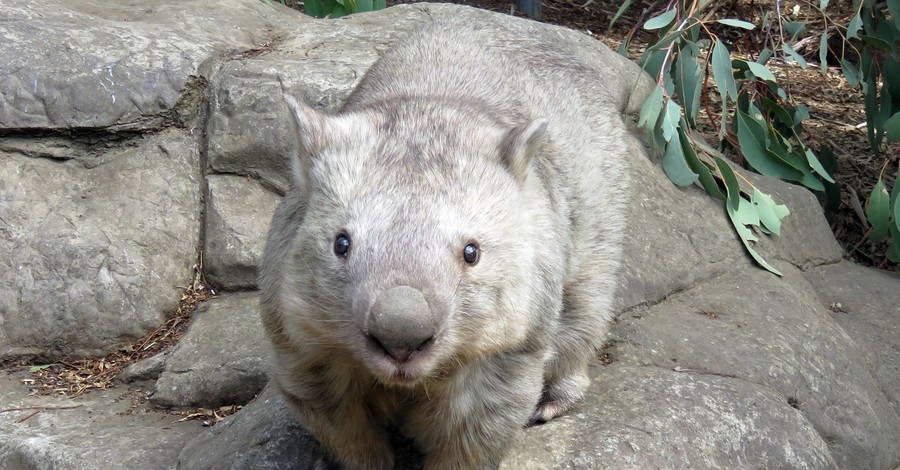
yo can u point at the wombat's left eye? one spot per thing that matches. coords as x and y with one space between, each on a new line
471 253
341 244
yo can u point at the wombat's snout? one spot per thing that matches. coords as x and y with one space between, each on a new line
401 322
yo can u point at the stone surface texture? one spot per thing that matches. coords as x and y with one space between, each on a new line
138 140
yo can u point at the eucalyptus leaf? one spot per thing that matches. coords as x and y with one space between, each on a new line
893 251
722 72
770 214
622 9
688 82
878 211
731 184
816 165
875 42
895 204
794 28
761 71
741 218
737 23
851 73
661 20
675 165
823 51
670 120
892 127
35 369
752 138
701 169
823 4
794 55
854 27
651 108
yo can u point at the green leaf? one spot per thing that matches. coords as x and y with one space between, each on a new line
752 138
733 189
722 73
706 179
676 166
34 369
894 10
893 251
764 56
816 165
823 4
761 71
895 203
742 217
670 120
878 211
871 100
651 108
801 113
794 55
770 214
652 62
823 51
737 23
622 9
794 28
661 20
851 73
688 82
877 43
892 127
854 27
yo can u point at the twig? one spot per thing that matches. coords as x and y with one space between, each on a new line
40 408
30 415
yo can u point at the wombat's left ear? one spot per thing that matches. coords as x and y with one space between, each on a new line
312 133
520 145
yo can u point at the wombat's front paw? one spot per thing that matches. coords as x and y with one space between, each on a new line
560 396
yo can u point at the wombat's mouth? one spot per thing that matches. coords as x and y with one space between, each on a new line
393 369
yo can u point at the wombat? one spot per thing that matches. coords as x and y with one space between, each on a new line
445 261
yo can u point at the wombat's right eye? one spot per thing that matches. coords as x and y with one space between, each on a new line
341 244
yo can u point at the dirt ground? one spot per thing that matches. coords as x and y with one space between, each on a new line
836 109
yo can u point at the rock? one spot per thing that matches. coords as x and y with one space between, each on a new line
649 417
263 435
865 302
238 214
771 332
95 251
100 430
148 369
107 142
249 130
221 359
116 67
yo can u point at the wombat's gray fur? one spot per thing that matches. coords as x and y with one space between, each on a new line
445 262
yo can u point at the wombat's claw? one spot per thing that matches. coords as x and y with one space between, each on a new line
549 409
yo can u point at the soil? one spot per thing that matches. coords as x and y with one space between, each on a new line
836 109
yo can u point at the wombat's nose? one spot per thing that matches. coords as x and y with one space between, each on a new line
401 322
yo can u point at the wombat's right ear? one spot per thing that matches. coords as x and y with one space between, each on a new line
310 130
520 145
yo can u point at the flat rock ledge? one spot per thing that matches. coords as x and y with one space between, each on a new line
149 133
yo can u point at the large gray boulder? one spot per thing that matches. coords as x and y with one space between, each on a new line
221 360
158 129
101 114
95 247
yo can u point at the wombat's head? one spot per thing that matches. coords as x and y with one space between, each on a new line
421 243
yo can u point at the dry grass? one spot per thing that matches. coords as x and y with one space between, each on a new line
74 378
